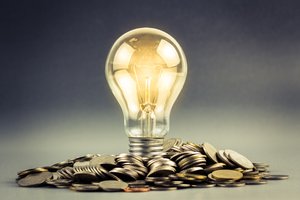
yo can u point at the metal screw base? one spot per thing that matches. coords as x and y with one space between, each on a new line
145 146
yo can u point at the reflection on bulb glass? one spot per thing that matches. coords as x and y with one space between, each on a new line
146 69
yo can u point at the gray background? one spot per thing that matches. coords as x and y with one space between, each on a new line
242 91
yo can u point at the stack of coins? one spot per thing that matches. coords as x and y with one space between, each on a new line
181 165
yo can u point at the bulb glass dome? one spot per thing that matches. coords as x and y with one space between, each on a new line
146 69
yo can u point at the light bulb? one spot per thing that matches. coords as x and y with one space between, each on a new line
146 69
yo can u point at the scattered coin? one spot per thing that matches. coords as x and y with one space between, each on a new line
31 171
181 165
276 177
35 179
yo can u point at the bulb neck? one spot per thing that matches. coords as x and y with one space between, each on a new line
146 146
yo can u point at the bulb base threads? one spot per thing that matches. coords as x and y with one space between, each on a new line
146 146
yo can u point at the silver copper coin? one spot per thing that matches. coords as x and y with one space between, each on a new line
181 165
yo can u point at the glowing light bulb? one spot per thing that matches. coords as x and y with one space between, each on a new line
146 69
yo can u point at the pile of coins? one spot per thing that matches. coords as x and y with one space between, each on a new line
181 165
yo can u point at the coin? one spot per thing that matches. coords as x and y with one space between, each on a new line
85 188
193 170
180 155
261 165
85 177
252 177
190 146
235 184
176 182
138 182
261 169
153 178
59 182
239 159
163 188
35 179
223 158
106 161
249 173
192 161
66 172
160 166
183 165
254 182
197 177
214 167
163 170
125 174
189 178
124 159
81 164
31 171
276 177
169 143
113 186
183 185
137 189
227 174
204 185
210 151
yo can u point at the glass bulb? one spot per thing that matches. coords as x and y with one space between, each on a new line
146 69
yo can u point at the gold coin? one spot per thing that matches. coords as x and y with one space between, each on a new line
137 189
210 151
196 176
227 174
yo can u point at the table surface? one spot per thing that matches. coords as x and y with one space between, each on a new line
43 139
